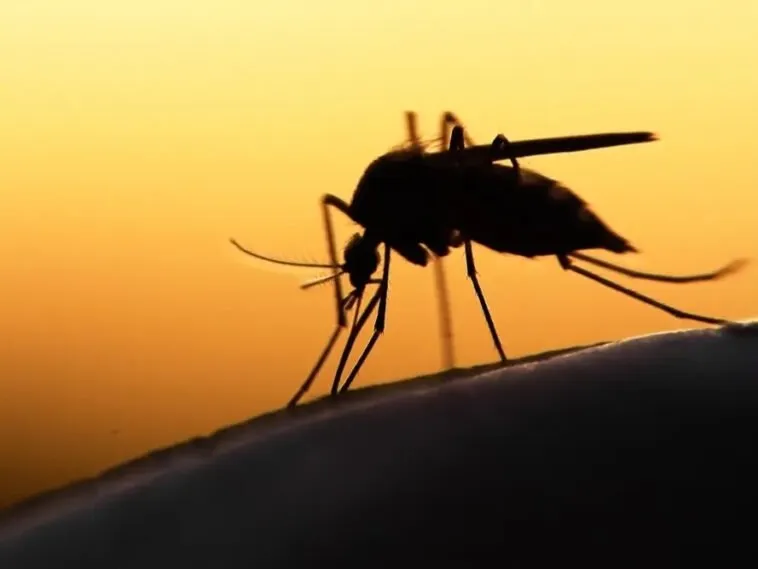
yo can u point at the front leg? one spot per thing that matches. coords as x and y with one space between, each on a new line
354 331
327 201
381 317
345 304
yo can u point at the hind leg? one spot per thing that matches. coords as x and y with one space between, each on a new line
567 265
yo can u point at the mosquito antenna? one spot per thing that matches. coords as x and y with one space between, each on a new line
282 261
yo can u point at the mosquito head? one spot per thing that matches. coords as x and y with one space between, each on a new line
361 260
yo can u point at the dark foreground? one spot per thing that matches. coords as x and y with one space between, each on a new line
633 454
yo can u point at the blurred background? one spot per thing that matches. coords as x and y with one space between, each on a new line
137 137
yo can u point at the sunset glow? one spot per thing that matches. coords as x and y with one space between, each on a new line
137 137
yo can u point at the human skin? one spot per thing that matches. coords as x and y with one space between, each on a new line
628 454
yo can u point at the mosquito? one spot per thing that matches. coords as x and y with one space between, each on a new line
412 202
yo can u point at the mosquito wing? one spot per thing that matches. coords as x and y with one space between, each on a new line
539 146
578 143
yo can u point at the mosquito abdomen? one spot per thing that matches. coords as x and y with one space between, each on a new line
534 217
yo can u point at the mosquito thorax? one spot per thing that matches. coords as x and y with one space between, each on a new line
387 186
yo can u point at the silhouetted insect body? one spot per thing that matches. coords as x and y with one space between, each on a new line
413 202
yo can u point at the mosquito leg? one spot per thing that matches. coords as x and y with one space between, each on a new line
566 264
456 143
443 302
457 138
471 271
381 317
450 119
500 142
411 126
327 201
316 368
357 309
354 331
443 306
348 301
724 271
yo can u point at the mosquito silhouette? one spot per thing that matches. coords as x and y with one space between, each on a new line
411 201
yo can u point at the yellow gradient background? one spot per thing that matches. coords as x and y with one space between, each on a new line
137 137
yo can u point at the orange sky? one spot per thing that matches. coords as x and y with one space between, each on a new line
136 137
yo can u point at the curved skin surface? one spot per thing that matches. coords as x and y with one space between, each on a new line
637 453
